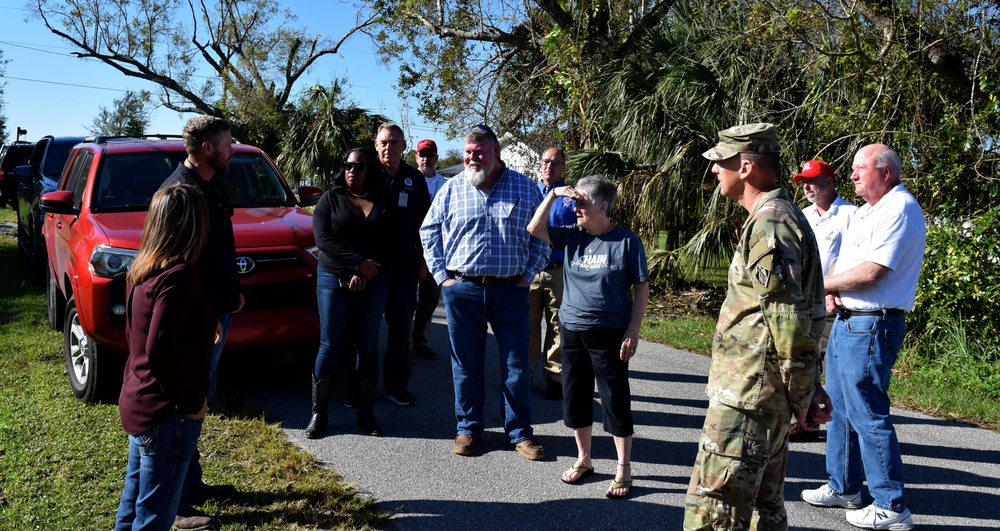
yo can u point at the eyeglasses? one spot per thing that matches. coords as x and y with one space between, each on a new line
426 154
355 166
551 162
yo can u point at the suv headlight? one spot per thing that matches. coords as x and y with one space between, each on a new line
313 250
110 262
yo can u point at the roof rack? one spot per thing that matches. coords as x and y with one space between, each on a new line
103 139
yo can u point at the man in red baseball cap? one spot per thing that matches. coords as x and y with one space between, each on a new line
829 216
428 292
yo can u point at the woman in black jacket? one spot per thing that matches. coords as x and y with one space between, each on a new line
356 232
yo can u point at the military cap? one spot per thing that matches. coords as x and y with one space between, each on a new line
751 138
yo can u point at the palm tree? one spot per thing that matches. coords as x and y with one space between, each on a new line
315 134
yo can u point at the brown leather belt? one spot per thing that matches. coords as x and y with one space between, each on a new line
889 312
485 280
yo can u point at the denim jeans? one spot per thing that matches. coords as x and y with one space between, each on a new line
226 320
192 481
470 307
157 463
349 324
859 359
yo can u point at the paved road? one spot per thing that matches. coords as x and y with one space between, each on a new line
952 469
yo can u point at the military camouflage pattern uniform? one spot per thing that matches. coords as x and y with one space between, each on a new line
764 366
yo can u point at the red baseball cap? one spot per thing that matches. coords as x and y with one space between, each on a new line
427 144
813 169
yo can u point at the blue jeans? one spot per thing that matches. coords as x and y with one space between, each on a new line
349 324
193 480
226 320
157 463
859 359
470 307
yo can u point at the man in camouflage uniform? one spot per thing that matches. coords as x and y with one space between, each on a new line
764 362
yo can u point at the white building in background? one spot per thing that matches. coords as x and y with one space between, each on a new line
519 157
514 153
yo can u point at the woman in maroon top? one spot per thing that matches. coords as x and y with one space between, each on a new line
171 327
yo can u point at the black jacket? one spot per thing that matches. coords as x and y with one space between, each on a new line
217 263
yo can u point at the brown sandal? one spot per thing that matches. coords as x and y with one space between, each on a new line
583 471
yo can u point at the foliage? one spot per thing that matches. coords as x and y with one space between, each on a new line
317 132
128 115
960 282
524 67
252 48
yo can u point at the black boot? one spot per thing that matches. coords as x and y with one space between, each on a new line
366 408
320 404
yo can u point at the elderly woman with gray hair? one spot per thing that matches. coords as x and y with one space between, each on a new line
604 300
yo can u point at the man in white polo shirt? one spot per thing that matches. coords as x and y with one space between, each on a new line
871 286
829 216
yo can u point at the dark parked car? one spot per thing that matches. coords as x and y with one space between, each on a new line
93 222
39 176
12 156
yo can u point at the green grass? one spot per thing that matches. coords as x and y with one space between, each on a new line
693 334
62 463
953 381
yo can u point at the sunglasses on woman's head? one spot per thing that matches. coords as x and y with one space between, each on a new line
352 166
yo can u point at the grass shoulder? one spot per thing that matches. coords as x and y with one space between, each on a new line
62 463
962 386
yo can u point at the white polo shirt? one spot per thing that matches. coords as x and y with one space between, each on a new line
893 234
829 228
435 183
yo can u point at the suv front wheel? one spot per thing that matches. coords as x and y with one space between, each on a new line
94 373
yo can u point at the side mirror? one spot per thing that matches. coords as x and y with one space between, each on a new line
309 195
23 172
58 202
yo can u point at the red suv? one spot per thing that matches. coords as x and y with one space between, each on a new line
93 222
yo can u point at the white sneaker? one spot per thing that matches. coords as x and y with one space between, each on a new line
825 497
872 517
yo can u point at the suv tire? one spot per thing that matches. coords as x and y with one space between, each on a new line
55 303
94 373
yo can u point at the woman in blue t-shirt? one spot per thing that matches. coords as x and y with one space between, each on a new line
599 320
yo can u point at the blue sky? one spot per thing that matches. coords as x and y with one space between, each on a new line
50 91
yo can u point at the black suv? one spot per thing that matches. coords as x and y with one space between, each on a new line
39 176
12 156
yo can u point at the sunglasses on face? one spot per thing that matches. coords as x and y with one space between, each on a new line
355 166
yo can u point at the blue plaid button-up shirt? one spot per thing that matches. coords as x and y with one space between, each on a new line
479 234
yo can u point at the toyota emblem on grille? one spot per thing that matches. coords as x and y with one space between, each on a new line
245 265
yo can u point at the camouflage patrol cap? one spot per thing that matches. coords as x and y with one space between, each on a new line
751 138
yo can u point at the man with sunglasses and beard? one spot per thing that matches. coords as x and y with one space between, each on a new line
477 246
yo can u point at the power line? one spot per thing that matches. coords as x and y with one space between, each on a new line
65 84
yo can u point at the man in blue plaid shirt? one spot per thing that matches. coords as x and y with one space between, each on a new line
478 248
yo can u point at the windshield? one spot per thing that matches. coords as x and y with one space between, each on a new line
57 155
127 181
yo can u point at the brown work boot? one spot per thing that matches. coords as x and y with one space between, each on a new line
191 519
465 444
530 449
